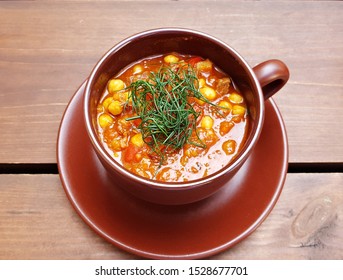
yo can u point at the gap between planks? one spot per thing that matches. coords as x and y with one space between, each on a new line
51 168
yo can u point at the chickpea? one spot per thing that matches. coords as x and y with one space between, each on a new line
225 127
115 108
115 85
128 98
171 59
236 98
208 136
201 82
199 101
229 147
225 105
105 120
204 66
211 137
137 69
137 140
206 122
238 110
107 102
208 92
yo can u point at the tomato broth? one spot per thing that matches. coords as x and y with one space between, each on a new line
172 118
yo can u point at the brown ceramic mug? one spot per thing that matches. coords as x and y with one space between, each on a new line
257 84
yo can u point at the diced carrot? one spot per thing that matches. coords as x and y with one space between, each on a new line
130 153
137 122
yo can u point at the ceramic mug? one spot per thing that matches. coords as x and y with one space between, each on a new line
257 84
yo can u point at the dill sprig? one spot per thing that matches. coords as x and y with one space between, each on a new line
161 102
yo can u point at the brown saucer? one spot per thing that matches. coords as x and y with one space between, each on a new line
190 231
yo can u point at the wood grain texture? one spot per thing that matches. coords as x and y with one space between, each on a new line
38 222
47 50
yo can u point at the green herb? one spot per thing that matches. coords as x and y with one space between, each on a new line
161 102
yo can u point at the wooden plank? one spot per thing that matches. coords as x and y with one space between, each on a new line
306 223
38 222
47 50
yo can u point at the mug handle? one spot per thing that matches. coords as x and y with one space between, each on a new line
273 75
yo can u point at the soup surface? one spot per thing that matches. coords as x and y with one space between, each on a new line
172 117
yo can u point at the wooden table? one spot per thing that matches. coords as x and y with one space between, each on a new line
48 48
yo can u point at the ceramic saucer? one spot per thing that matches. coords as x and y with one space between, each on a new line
192 231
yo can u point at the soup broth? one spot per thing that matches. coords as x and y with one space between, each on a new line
172 118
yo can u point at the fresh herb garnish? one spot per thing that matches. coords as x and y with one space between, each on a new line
162 104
